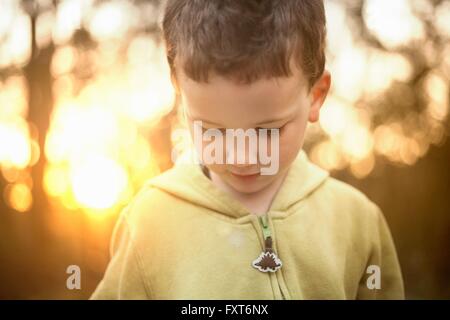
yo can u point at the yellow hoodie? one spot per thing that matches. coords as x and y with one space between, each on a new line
181 237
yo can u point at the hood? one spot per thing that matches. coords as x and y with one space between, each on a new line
187 181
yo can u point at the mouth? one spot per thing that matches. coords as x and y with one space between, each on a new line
245 176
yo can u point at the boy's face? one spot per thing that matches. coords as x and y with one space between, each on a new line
283 103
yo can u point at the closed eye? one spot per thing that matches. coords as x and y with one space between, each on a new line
222 130
278 128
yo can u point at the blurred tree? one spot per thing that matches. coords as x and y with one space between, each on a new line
40 104
416 192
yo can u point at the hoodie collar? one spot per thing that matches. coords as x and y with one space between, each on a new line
187 181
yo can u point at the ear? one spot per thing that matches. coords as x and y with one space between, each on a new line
318 93
174 80
185 117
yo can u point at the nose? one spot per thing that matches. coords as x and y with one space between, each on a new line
242 157
243 166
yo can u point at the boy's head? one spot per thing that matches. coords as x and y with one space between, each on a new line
249 64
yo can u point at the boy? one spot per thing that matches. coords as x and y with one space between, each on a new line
223 229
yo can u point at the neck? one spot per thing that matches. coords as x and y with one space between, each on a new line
256 202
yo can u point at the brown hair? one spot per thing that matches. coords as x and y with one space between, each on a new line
245 39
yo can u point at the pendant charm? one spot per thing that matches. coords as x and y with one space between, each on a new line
267 261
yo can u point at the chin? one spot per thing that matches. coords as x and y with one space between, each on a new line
248 188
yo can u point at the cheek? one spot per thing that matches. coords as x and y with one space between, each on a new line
217 168
291 141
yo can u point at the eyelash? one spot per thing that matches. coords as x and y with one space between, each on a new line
257 128
223 130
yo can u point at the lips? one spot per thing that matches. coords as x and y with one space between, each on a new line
245 175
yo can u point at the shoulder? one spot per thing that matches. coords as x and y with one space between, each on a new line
347 216
347 204
149 207
345 195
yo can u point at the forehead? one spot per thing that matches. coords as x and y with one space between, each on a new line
232 104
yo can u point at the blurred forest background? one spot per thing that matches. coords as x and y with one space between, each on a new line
87 111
